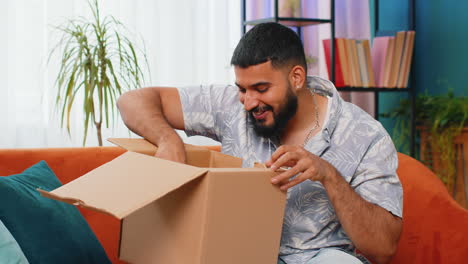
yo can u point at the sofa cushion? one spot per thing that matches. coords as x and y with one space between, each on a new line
435 227
10 251
48 231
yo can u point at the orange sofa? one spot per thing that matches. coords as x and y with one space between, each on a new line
435 227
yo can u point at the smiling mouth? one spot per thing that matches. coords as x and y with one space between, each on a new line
260 114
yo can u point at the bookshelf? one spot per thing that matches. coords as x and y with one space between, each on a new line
299 22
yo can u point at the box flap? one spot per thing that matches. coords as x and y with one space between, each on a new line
220 160
125 184
139 145
143 146
196 155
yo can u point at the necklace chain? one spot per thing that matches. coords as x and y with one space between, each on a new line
317 124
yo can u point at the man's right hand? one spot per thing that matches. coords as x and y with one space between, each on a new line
172 152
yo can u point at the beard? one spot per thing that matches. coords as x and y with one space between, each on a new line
280 119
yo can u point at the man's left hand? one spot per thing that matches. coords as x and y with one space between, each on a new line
301 162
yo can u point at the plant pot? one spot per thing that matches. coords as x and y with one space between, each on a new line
453 171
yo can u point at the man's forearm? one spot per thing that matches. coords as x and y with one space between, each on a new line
142 113
373 230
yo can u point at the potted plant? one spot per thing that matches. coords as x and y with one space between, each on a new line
440 120
97 62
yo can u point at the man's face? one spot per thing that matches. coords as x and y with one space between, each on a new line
268 96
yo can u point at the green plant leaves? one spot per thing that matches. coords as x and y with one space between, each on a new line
443 116
98 63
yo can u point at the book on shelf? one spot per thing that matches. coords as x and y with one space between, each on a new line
370 70
379 57
396 60
406 60
355 63
391 59
339 81
399 69
350 61
361 55
341 44
386 64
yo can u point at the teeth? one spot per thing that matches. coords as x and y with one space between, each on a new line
259 113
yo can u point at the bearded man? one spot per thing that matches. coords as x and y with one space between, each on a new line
342 188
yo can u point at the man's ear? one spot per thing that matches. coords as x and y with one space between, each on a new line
297 77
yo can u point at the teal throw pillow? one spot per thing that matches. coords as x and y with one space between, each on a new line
10 251
47 231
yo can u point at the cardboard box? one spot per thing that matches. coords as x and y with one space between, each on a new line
210 211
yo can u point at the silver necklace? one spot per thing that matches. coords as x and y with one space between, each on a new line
317 124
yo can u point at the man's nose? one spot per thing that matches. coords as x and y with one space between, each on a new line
250 101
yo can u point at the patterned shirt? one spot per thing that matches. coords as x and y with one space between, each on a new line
352 141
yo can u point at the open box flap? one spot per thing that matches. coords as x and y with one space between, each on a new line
143 146
195 155
125 184
139 145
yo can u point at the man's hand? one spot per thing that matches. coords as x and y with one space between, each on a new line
302 162
172 152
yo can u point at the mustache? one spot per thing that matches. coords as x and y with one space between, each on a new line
262 108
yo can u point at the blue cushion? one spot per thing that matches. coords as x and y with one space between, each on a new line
47 231
10 251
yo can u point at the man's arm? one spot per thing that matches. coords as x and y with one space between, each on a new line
373 230
154 113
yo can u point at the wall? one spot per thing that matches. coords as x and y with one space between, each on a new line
440 52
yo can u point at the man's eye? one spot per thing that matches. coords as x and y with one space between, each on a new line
241 90
262 90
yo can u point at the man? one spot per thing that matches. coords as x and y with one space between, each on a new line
343 191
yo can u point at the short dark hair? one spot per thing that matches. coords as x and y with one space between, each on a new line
269 42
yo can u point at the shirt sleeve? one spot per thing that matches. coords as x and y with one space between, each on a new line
376 179
204 108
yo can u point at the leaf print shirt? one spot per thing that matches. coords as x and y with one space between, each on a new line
352 141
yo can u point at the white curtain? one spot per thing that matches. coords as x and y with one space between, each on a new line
187 42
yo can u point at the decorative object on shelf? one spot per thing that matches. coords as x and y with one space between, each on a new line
289 8
442 122
98 61
311 62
